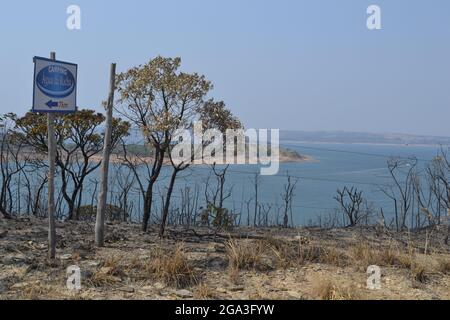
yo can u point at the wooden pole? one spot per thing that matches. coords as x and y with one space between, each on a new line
51 181
101 206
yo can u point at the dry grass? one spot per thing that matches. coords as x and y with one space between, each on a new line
35 291
110 272
100 279
244 255
444 266
418 273
204 292
293 254
172 267
364 254
333 256
271 253
326 289
113 266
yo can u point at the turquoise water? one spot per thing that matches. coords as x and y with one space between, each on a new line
334 166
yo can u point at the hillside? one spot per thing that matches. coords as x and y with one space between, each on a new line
294 264
360 137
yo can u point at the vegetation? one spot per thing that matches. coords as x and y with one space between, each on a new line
158 100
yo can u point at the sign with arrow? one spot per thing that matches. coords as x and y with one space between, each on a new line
55 86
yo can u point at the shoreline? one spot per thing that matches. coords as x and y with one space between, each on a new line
116 159
294 142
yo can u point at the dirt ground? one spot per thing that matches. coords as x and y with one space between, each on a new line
291 264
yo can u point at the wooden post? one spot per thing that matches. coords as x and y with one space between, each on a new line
101 205
51 181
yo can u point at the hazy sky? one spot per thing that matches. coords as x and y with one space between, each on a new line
306 65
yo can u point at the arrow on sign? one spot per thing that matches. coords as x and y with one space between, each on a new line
52 104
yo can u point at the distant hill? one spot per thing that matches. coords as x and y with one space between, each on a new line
286 154
361 137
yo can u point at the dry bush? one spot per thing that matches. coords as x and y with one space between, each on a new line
35 291
283 253
110 272
317 253
293 254
102 279
333 256
245 255
418 273
172 267
204 292
136 268
250 255
364 254
113 266
270 253
444 266
233 273
326 289
310 253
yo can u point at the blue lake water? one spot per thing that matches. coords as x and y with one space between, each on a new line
334 166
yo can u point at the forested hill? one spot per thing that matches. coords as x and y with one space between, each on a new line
360 137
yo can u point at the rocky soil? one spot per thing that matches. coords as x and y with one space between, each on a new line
243 264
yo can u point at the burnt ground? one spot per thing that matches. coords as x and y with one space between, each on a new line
304 263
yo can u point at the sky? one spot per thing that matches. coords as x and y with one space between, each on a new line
292 65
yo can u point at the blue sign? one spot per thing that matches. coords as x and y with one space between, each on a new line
55 84
56 81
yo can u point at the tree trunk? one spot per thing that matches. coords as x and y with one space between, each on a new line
448 236
167 203
159 159
147 207
5 214
286 217
71 207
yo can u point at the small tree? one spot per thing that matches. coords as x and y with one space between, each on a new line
213 115
79 140
13 160
403 173
288 195
439 173
351 201
157 98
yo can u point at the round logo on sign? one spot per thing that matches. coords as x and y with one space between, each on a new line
56 81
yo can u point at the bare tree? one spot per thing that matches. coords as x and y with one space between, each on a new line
439 172
351 201
401 191
13 160
256 182
287 196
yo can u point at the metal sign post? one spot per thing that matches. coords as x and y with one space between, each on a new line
54 91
